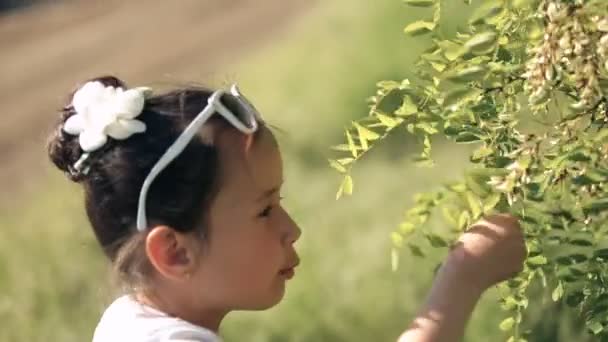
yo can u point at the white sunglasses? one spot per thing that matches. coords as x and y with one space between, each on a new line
245 118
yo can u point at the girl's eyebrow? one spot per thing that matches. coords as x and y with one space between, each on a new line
270 192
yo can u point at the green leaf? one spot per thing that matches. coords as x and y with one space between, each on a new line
595 327
491 202
481 152
345 161
460 95
571 259
341 147
420 3
580 242
336 165
580 156
451 50
388 85
397 239
366 133
351 144
474 204
558 292
507 324
388 121
466 138
408 107
464 220
595 206
537 260
481 43
394 259
601 253
575 299
348 185
419 27
426 127
415 250
523 3
407 228
435 240
486 11
468 74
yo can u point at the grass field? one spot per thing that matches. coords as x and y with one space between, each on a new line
54 281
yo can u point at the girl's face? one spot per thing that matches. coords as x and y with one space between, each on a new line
249 253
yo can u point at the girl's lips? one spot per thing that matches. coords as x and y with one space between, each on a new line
288 273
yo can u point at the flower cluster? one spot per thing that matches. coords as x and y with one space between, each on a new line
574 49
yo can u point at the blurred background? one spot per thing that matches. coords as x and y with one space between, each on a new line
308 66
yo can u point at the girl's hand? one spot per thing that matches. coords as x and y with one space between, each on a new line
490 251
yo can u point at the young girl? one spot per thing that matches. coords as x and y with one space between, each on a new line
183 193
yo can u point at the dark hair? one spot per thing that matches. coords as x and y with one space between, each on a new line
179 195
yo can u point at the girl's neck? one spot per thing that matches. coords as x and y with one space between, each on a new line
206 318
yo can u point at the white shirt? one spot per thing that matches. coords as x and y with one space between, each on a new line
128 320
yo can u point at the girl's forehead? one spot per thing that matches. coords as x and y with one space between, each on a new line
249 165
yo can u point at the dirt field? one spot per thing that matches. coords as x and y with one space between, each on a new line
45 50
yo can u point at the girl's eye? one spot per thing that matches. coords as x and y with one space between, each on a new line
266 212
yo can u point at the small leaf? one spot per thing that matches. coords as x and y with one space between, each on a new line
407 228
487 10
460 95
419 27
491 202
397 239
466 138
537 260
435 240
348 185
408 107
596 206
351 144
451 50
507 324
420 3
469 74
595 327
482 152
574 299
481 43
365 135
415 250
601 253
388 85
388 121
394 259
463 220
345 161
474 204
558 292
341 147
581 242
427 128
336 165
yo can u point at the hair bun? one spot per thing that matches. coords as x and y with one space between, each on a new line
64 149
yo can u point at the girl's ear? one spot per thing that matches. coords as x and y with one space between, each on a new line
171 253
249 138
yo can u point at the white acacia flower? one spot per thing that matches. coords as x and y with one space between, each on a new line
105 111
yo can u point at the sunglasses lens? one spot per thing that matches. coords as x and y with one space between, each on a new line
241 108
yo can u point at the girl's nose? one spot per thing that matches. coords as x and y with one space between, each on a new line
291 229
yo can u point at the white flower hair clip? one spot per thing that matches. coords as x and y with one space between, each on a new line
102 112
